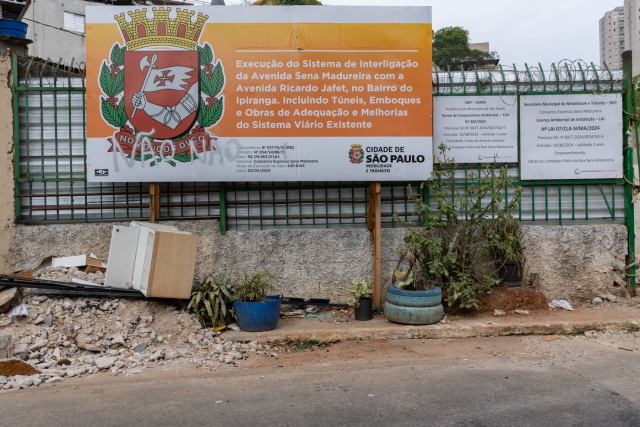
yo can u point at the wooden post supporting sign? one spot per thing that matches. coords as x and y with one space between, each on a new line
374 220
154 202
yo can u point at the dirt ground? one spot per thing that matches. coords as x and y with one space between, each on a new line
509 299
545 350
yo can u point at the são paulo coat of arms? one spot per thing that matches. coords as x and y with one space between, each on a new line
162 90
356 154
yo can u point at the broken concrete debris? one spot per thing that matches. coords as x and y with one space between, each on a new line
85 336
8 299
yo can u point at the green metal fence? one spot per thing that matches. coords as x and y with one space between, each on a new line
51 185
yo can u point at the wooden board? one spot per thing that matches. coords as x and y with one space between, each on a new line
173 265
154 202
377 247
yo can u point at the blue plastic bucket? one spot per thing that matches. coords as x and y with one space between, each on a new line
259 316
13 28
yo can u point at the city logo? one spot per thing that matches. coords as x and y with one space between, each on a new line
161 89
356 154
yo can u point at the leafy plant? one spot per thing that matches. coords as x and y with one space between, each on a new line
451 248
359 290
212 301
506 240
254 288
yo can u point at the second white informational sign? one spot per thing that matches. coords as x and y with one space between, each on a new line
476 129
571 136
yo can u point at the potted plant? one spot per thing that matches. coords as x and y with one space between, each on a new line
256 310
507 249
361 299
212 301
413 300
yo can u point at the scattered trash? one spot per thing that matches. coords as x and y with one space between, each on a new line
550 338
293 314
562 303
521 312
90 263
19 311
320 316
499 313
142 256
625 348
233 327
371 395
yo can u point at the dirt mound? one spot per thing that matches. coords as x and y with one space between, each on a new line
16 367
509 299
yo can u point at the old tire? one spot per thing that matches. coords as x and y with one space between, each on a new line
413 315
430 298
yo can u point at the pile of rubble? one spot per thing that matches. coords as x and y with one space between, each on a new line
64 274
63 338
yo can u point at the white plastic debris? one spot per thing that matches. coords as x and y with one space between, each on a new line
233 327
19 311
560 303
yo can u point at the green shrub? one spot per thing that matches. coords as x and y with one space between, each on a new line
212 301
461 229
255 287
360 289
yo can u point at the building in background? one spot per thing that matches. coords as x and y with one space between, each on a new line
487 64
612 38
57 27
483 47
632 31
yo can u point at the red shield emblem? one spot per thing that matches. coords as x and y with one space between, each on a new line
161 91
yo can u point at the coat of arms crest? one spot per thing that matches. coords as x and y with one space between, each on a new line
356 154
163 85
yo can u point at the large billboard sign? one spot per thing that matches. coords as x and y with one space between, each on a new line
571 136
258 93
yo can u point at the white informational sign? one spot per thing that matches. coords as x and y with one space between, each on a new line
294 93
571 136
476 129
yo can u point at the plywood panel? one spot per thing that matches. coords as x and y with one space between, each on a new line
173 265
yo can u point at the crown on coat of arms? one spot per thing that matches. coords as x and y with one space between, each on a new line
161 30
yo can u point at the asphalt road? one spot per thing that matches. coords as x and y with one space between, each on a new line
364 384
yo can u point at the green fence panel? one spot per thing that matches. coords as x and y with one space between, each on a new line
51 186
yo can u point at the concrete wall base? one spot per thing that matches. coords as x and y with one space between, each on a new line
574 262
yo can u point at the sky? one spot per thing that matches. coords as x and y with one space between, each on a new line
520 31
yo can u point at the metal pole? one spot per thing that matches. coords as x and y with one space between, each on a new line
628 167
223 208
